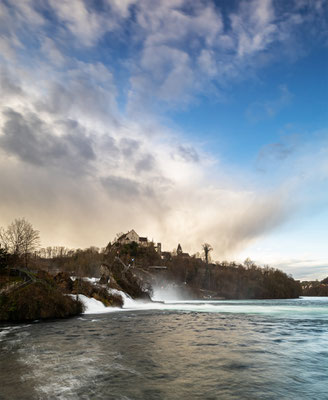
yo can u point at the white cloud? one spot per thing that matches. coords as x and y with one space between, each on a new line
253 27
207 63
212 48
112 172
166 23
86 25
87 170
121 6
52 52
6 49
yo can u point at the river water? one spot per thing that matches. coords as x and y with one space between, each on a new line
177 350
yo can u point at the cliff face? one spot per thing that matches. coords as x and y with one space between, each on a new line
119 276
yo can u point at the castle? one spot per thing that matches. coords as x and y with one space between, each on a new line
132 236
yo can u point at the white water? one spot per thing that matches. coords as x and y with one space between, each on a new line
316 307
93 306
169 298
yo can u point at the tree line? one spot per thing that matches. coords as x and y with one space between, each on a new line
19 244
234 280
224 279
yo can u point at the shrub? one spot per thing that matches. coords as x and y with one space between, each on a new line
37 301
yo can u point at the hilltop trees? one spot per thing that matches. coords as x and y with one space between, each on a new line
207 249
233 280
20 239
4 256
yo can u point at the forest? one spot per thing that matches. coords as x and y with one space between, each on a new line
229 280
315 288
204 279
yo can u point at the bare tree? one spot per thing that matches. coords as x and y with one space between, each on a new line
117 236
207 249
249 263
20 238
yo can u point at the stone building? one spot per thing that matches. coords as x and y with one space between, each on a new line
132 236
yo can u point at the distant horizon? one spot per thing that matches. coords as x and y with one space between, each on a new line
205 121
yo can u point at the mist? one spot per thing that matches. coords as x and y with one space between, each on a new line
169 291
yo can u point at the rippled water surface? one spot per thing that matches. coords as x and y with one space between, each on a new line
218 350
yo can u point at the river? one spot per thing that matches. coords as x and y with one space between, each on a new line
272 349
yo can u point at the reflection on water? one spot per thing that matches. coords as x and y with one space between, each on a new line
180 353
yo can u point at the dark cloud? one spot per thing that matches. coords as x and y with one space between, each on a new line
80 95
146 163
77 139
121 188
188 154
129 147
8 86
108 145
132 151
34 141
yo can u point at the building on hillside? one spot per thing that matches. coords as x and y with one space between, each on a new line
129 237
143 241
166 255
132 236
180 252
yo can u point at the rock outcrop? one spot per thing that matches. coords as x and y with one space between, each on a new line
37 300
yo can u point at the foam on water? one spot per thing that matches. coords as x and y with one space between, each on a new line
93 306
4 331
305 307
127 300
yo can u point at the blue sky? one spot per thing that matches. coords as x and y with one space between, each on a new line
189 121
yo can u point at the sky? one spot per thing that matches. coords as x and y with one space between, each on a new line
189 121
